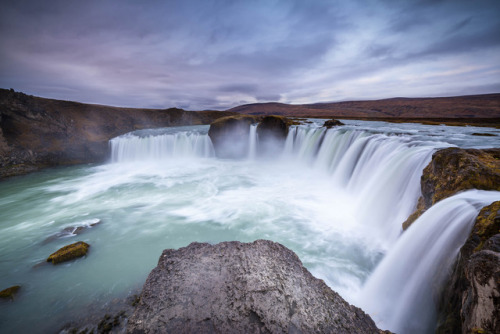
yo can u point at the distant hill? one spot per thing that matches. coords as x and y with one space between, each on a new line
458 107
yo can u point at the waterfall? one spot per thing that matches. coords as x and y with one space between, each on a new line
400 294
252 142
185 144
381 172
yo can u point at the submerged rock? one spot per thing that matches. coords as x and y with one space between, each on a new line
229 135
69 252
332 122
454 169
233 287
471 300
9 293
72 231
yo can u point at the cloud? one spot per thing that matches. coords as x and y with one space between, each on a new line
217 54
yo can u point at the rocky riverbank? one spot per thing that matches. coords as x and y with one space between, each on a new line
37 132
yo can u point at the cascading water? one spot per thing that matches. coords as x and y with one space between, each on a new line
252 142
132 147
336 197
400 294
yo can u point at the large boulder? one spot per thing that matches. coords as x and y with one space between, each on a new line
471 300
233 287
454 169
272 132
230 135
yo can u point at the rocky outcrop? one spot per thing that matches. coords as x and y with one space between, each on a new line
229 135
234 287
332 122
9 293
471 300
37 132
272 132
273 127
69 252
454 169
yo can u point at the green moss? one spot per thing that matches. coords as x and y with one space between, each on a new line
9 292
487 223
69 252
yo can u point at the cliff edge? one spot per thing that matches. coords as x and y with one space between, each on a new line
37 132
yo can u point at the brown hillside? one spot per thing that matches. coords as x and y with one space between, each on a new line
472 108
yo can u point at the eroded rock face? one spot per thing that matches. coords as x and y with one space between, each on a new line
471 300
37 132
272 132
234 287
229 135
454 169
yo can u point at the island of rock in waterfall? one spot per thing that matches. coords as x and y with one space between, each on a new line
266 218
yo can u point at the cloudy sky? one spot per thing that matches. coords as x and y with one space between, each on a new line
216 54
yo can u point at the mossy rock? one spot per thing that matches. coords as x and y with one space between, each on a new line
9 292
453 170
69 252
332 122
487 224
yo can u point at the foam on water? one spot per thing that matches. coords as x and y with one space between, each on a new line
336 197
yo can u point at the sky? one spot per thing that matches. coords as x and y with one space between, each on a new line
217 54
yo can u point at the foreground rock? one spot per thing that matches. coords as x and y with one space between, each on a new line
454 169
9 293
471 300
233 287
69 252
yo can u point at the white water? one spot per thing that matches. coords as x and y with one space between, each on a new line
337 198
400 293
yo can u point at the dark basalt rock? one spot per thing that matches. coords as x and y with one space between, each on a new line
332 122
471 300
234 287
272 132
273 127
454 169
69 252
229 135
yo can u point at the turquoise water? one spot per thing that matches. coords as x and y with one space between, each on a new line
330 204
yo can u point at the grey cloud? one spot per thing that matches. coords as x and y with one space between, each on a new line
238 87
200 54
